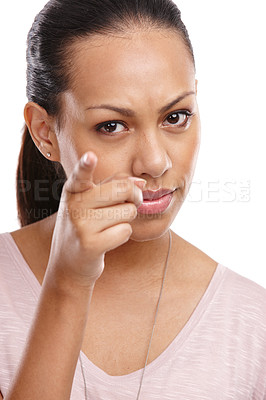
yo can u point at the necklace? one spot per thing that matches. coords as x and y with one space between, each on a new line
156 313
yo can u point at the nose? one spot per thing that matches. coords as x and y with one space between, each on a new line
151 154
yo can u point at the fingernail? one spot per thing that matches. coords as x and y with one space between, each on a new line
132 178
141 183
87 158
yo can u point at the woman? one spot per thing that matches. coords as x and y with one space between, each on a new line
99 298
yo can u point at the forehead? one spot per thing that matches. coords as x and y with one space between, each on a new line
131 64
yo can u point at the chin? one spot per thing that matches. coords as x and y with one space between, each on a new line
149 230
153 226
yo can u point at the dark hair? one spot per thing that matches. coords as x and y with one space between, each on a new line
55 28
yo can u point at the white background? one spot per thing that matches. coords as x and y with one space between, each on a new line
224 213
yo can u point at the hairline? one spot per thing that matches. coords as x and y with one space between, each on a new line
72 46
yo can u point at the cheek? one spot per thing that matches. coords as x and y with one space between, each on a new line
185 154
109 164
74 140
193 149
193 143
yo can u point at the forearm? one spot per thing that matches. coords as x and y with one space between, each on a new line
47 367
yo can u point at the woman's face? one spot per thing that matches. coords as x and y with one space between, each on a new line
141 73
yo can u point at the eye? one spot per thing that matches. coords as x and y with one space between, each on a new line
176 119
110 127
179 118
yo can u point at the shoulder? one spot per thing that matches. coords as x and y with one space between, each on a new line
241 287
242 302
236 286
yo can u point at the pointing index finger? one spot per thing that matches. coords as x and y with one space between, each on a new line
81 177
89 158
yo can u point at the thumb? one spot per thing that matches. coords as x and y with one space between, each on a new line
81 178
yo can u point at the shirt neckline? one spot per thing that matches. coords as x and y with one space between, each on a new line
176 344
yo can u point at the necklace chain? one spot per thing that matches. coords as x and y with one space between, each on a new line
156 313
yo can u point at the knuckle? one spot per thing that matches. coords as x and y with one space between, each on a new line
127 228
87 241
68 187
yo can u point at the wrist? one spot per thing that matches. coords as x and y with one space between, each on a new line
66 285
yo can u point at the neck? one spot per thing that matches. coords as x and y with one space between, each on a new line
136 264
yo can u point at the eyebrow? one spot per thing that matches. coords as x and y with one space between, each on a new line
130 113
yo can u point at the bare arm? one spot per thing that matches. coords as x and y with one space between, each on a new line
48 365
80 241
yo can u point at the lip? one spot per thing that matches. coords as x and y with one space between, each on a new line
156 205
156 194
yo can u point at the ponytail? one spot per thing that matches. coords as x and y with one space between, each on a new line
39 183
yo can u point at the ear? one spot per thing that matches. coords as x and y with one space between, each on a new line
41 128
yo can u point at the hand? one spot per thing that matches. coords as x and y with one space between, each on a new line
91 220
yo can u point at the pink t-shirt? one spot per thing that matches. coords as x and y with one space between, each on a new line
219 354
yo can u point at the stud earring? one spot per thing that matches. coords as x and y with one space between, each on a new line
48 154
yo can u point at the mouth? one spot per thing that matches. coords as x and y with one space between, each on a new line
156 202
150 195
